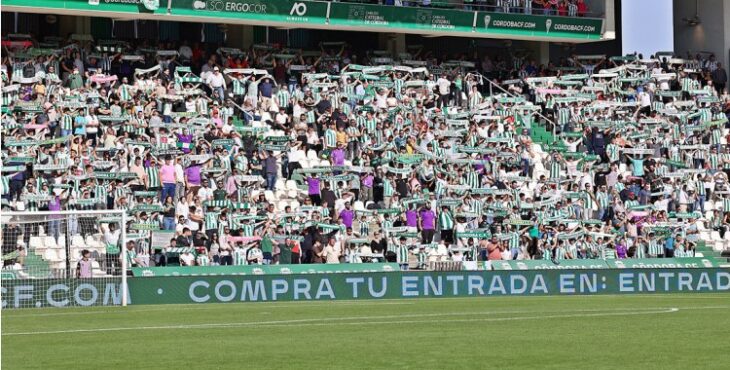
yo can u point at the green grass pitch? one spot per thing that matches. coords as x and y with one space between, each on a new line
677 331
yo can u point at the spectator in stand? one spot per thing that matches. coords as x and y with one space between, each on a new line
719 79
84 267
389 153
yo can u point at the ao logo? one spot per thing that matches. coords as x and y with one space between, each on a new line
300 9
212 5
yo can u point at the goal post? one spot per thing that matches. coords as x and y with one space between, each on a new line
64 258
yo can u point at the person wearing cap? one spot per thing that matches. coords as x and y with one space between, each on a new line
217 83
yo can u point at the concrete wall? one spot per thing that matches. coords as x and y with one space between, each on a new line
711 35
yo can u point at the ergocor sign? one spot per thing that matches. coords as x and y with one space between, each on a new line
230 6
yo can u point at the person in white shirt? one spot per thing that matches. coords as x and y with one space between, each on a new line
187 259
444 87
254 255
217 83
111 234
186 53
332 251
281 118
205 193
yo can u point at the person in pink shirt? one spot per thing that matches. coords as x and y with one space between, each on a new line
367 186
167 176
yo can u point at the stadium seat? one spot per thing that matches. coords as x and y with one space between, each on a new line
280 184
358 206
714 235
311 155
281 194
36 242
50 255
704 235
75 253
90 241
269 195
50 242
77 240
291 185
62 240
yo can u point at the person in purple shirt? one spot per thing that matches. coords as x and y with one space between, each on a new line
185 138
192 178
347 216
427 224
412 218
314 189
620 250
366 188
54 225
338 157
479 166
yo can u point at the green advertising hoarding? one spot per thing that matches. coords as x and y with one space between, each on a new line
670 263
351 286
663 263
336 15
362 15
536 25
395 285
549 265
264 269
60 293
120 6
307 12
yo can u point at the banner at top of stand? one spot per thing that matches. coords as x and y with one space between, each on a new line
538 25
375 16
112 6
311 12
336 15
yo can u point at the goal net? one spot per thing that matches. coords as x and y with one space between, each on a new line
63 259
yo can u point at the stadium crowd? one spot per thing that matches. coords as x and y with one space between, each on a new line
338 155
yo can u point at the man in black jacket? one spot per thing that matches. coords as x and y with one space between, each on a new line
186 239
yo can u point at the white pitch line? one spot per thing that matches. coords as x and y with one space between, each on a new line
669 310
369 320
387 301
226 306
